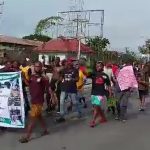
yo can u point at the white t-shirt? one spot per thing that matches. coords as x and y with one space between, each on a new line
2 66
109 72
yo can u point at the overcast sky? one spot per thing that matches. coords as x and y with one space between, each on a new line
127 22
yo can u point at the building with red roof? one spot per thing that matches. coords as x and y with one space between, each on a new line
63 48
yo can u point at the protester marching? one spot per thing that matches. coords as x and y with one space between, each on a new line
25 88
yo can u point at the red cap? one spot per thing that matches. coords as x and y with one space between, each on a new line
70 60
109 65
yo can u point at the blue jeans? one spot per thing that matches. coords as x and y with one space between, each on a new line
75 100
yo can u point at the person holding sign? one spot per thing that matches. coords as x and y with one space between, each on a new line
127 82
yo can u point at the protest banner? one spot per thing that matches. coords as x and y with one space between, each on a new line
11 100
126 78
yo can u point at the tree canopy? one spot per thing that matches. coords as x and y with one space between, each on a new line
45 24
98 44
42 38
129 55
145 49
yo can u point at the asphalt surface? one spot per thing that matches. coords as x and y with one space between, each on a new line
75 134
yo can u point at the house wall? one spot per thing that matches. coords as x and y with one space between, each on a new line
50 56
10 46
17 52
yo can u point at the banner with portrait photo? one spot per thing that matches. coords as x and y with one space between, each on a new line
11 100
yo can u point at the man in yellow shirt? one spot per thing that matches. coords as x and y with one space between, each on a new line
80 85
26 72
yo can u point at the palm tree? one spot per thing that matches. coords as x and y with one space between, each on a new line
48 23
99 45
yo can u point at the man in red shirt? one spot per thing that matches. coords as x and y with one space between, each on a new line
38 85
115 69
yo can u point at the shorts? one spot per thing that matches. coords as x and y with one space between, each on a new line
36 110
98 101
111 102
143 93
55 85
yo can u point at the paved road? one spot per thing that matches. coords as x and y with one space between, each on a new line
76 135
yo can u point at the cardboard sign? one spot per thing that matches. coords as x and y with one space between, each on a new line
126 78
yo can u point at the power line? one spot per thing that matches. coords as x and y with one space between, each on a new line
78 23
83 19
1 9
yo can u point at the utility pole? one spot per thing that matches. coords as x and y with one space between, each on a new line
81 24
1 12
1 9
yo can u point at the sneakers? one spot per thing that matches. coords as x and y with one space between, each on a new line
124 120
60 120
117 118
141 109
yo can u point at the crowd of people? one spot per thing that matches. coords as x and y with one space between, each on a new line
63 80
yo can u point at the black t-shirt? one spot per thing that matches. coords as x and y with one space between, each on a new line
99 80
69 82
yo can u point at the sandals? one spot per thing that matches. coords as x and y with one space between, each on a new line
24 140
45 133
103 121
92 124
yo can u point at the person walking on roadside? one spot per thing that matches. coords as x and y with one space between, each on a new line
126 82
80 85
38 85
26 72
69 77
55 81
143 86
98 94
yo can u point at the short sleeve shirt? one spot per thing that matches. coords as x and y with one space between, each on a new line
69 83
37 86
99 80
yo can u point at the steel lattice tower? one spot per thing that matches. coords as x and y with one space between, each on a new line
79 22
1 11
